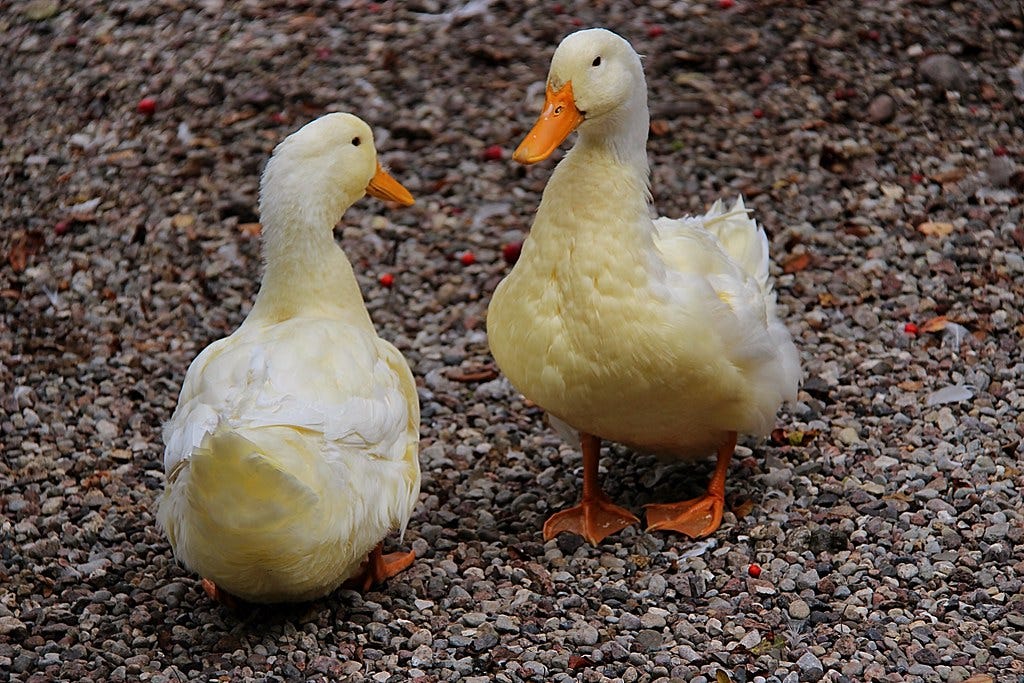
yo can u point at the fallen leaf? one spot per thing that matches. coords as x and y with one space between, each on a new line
735 47
235 117
577 662
766 645
24 246
659 127
934 229
910 385
826 299
301 21
950 176
478 376
722 677
183 221
250 229
37 10
124 157
743 508
797 437
979 678
796 263
936 324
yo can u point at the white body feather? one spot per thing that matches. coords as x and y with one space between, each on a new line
658 334
294 447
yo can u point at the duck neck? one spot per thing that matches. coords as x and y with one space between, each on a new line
621 135
600 191
306 273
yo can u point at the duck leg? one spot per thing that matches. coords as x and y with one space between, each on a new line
219 595
699 516
596 517
380 567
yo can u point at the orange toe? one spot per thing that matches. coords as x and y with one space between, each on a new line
379 567
695 518
219 595
594 520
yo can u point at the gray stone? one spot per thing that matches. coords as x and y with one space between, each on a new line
882 109
945 72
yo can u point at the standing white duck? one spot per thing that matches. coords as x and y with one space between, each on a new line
659 334
294 447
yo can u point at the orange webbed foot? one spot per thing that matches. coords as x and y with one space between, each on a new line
379 567
697 517
594 519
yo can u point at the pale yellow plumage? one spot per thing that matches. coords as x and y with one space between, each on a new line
661 334
293 449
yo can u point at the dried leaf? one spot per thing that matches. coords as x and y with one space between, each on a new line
482 375
577 662
743 508
950 176
124 157
735 47
659 127
37 10
24 246
979 678
796 263
934 229
766 646
722 677
826 299
183 221
910 385
250 229
235 117
936 324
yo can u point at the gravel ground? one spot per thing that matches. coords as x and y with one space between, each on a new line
875 141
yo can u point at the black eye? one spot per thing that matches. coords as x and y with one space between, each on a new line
596 62
356 141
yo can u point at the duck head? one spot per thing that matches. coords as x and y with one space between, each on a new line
323 168
595 84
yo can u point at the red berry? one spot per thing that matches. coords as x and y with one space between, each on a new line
323 53
916 177
758 113
558 8
278 117
467 258
999 151
911 329
386 279
874 35
147 106
726 4
61 227
655 31
510 252
494 153
754 570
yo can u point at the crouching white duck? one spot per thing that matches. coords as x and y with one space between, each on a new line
293 450
659 334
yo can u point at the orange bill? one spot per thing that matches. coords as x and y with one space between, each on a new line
559 118
383 186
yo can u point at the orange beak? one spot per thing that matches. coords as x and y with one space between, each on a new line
383 186
559 118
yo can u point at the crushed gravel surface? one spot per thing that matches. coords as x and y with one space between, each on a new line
879 143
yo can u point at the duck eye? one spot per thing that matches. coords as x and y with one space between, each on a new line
356 141
597 61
